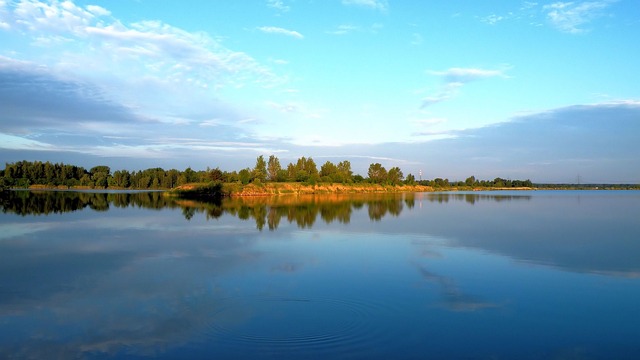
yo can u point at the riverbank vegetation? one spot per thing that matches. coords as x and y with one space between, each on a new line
268 176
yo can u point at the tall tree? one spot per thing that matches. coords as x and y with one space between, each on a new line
329 170
273 168
377 173
470 181
100 175
260 170
345 174
395 176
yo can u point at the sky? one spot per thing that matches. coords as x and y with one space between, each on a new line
544 90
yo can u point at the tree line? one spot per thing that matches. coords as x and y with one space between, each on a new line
25 174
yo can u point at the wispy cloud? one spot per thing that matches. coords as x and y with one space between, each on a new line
492 19
281 31
150 49
566 16
112 86
278 5
465 75
343 29
446 92
454 79
416 39
571 16
380 5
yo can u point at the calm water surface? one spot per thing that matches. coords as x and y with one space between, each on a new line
496 275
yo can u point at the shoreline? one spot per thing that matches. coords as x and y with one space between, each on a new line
288 188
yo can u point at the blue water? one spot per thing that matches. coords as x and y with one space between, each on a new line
489 275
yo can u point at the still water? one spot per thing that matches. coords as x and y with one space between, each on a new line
495 275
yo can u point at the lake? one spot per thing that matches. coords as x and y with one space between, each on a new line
483 275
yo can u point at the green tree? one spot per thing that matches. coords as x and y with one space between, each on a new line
292 172
329 171
305 170
100 176
395 176
377 173
410 179
244 176
470 181
344 175
122 178
260 170
215 174
273 168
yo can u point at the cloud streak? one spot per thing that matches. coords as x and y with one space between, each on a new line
571 17
280 31
454 79
278 5
380 5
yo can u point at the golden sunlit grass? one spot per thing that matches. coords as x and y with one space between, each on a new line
293 188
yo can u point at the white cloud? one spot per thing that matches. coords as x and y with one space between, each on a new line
278 5
430 121
492 19
343 29
281 31
98 10
12 142
454 79
465 75
570 17
150 49
380 5
447 91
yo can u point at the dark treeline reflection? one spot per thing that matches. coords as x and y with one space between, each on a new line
55 202
265 211
472 198
304 211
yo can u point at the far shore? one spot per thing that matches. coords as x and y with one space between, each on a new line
297 188
284 188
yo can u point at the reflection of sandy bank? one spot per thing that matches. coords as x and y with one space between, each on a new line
323 188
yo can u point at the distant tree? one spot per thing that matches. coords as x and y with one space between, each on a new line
292 172
244 176
410 179
329 170
215 174
344 172
470 181
85 180
377 173
439 182
260 169
190 175
282 175
305 170
273 168
121 178
394 176
100 176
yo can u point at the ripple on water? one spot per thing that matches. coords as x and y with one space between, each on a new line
280 324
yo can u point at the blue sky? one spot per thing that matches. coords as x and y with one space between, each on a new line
542 90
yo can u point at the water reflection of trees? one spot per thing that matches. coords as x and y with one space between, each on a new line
304 211
56 202
472 198
267 212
